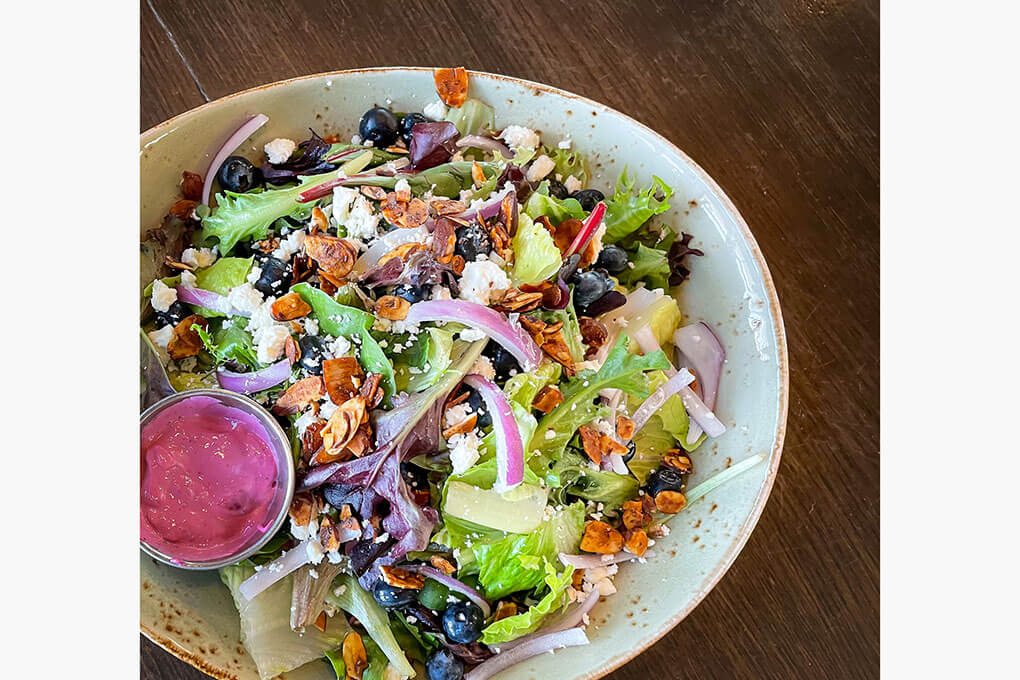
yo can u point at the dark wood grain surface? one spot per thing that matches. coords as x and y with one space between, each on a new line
778 101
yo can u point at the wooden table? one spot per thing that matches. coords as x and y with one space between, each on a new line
778 101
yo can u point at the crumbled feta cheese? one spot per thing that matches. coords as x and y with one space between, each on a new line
483 367
517 136
162 296
198 257
271 341
435 110
480 279
188 279
463 451
401 327
305 420
339 347
339 590
472 334
606 588
402 186
245 299
356 139
564 143
572 184
161 338
343 197
540 167
315 552
279 150
381 538
254 275
311 326
294 242
457 414
361 223
262 317
441 293
327 408
550 434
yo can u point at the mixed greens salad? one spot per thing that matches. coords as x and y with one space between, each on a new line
490 390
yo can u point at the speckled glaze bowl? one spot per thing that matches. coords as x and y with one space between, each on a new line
191 615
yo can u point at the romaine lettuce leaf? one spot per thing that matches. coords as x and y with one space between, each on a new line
472 117
621 370
265 626
662 316
536 256
627 211
541 203
339 320
360 604
522 388
554 599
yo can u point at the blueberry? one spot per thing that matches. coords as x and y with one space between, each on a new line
237 174
379 126
631 450
613 259
472 241
409 121
664 479
248 249
416 478
391 597
502 361
410 293
588 198
313 352
557 190
173 316
463 621
589 286
275 279
443 665
477 406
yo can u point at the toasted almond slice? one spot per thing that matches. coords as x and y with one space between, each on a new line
636 542
451 85
319 221
548 398
442 564
601 538
610 446
342 427
339 375
375 193
183 209
397 149
590 442
320 621
335 256
303 508
670 502
186 342
311 440
402 195
402 251
675 458
191 186
290 307
299 395
329 534
634 515
445 206
291 350
505 610
416 214
355 656
371 391
477 175
392 307
463 427
173 264
398 578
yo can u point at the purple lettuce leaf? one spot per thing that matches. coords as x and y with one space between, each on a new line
432 144
308 161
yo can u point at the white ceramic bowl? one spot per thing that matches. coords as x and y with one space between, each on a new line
191 615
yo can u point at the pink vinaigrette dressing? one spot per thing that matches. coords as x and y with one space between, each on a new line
209 477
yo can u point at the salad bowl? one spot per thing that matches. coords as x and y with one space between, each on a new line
191 614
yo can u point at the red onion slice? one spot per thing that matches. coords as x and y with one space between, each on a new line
705 355
700 413
571 618
207 299
242 133
453 584
588 229
256 381
510 335
486 144
596 561
509 447
269 574
617 465
539 645
653 403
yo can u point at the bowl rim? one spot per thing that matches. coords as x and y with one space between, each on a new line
747 527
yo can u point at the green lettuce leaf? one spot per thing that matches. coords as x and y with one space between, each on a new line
536 256
339 320
662 317
231 343
554 599
224 274
569 162
360 604
439 345
650 266
541 203
265 626
627 211
621 370
472 117
524 387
